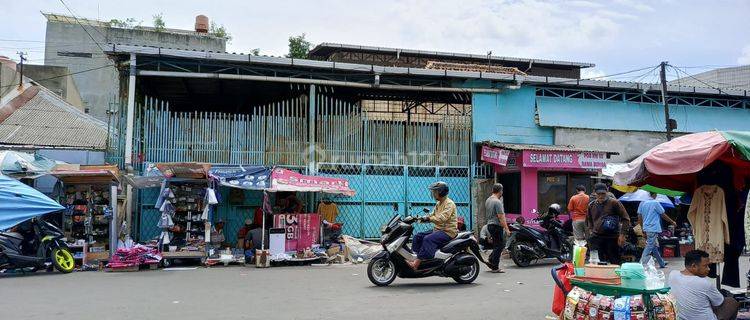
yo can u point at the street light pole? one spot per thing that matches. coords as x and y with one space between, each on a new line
668 121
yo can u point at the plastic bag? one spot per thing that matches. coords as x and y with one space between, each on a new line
360 251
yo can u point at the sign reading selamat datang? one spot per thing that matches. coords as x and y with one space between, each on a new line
564 159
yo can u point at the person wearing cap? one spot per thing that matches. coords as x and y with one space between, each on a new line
242 234
425 244
608 223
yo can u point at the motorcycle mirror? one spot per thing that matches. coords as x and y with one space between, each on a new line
395 206
425 210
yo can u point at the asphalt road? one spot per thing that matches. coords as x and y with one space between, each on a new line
309 292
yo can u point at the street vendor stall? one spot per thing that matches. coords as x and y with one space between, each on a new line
89 194
301 230
713 166
184 202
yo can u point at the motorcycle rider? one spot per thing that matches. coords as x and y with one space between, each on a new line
426 243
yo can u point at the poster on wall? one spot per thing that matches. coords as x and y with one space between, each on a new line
495 155
301 229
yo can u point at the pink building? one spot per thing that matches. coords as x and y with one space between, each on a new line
536 176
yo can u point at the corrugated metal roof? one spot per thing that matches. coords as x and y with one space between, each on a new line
541 147
48 121
327 47
420 72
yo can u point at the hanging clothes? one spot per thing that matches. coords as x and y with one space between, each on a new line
708 216
329 211
733 251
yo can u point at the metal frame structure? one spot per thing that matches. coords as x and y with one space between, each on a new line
641 97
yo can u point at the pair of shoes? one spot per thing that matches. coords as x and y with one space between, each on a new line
497 271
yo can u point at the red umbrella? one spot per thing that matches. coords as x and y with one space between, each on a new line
675 164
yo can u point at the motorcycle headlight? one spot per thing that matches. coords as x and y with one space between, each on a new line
383 237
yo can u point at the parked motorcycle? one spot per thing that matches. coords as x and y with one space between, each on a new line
33 245
459 259
528 244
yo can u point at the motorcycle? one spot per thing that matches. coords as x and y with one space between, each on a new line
528 244
35 244
459 259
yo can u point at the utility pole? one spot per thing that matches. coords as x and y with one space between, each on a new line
20 68
668 121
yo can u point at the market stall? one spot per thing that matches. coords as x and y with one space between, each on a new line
184 202
714 167
296 235
90 223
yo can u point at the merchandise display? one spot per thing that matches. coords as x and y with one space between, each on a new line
86 219
185 210
708 215
582 304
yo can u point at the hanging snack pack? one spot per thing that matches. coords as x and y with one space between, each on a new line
637 308
571 303
606 308
622 308
662 308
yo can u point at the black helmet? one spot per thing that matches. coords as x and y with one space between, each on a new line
441 187
554 209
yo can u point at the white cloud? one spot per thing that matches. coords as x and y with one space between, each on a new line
592 73
635 4
745 56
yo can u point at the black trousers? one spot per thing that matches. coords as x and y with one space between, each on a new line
607 248
498 244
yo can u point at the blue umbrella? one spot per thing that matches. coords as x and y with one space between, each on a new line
19 202
643 195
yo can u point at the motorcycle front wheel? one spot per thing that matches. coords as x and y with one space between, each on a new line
381 271
63 260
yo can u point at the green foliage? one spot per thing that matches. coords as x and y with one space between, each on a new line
255 52
219 31
129 23
159 24
299 47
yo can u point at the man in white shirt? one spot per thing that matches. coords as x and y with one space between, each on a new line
697 298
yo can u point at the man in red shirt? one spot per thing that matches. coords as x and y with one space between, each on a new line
578 207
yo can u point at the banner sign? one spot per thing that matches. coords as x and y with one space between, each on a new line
564 159
242 176
301 229
287 180
495 155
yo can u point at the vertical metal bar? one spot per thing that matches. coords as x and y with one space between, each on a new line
131 115
311 169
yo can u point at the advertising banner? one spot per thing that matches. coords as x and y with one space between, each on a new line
564 160
301 229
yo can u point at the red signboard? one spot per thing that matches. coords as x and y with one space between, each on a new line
301 229
495 155
564 159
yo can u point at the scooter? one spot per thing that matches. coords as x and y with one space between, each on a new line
36 244
528 244
459 259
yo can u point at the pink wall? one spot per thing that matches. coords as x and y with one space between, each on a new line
528 192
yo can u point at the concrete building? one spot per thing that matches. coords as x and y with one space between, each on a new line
725 78
69 44
58 80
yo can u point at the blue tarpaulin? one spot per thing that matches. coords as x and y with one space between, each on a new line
19 202
242 176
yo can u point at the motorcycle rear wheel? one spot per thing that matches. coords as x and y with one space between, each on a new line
519 258
470 275
381 271
63 260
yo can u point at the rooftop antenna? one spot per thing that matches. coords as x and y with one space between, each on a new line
489 58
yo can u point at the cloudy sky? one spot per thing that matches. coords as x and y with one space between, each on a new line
617 35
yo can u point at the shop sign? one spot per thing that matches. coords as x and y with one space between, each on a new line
242 176
564 159
301 229
495 155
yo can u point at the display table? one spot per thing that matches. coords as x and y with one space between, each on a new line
624 289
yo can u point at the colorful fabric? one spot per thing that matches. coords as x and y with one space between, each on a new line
329 211
708 216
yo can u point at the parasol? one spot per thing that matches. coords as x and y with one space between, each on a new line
675 164
19 202
643 195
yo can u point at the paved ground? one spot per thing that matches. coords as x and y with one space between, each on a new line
311 292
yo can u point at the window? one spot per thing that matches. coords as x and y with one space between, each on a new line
74 54
555 187
511 191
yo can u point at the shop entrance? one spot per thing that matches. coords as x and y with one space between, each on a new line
558 187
